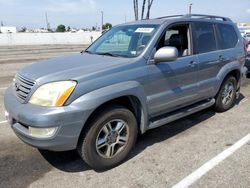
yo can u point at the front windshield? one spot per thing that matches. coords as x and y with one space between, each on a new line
124 41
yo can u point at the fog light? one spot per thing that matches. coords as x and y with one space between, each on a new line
42 132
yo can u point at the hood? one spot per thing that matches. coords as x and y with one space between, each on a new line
71 67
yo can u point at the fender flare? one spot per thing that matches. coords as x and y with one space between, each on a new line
92 100
225 70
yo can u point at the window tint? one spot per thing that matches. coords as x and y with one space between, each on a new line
204 38
228 37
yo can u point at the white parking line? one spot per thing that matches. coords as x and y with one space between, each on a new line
3 122
197 174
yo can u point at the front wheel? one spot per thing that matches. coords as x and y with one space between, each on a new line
226 97
109 138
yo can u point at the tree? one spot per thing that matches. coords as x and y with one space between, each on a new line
107 26
136 9
150 2
143 9
23 29
61 28
68 28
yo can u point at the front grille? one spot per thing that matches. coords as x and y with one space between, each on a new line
22 87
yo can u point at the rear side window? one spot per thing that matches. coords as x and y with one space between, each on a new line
228 36
204 37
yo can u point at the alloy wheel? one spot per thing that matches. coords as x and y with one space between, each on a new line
112 138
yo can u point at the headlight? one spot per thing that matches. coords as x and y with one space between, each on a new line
42 132
53 94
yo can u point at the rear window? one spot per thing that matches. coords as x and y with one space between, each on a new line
228 36
204 38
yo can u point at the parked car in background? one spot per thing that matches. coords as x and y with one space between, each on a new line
248 64
137 76
247 36
242 32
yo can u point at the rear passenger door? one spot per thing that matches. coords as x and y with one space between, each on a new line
227 39
206 48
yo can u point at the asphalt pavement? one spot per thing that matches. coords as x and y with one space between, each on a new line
162 157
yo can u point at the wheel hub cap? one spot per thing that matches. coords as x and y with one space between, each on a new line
228 93
112 138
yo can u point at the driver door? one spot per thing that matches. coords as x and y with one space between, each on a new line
174 84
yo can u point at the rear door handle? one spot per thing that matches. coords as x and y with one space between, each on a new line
193 64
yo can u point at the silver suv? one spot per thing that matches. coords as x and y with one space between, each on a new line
135 77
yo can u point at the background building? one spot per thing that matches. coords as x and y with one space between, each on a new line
5 29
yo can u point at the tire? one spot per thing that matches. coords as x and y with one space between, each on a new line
109 138
222 104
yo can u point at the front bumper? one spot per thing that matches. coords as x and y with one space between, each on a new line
69 120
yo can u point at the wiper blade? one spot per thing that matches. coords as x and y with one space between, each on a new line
109 54
87 51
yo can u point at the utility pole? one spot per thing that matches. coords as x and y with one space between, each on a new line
47 21
190 8
102 20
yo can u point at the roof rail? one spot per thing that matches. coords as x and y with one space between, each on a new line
208 16
172 16
201 16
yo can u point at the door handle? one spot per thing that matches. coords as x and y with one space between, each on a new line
192 64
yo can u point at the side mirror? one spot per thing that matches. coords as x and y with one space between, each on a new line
165 54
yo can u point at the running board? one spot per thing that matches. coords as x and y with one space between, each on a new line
167 118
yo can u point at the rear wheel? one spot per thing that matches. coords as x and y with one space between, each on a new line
226 97
109 139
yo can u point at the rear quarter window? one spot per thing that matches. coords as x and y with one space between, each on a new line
228 36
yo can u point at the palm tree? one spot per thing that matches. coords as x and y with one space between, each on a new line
150 2
143 8
136 10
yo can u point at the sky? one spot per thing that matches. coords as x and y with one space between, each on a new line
87 13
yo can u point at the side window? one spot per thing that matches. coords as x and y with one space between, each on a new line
177 36
228 36
204 38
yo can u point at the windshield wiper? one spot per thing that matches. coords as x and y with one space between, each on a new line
87 51
109 54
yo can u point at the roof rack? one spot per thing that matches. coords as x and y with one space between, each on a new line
172 16
201 16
